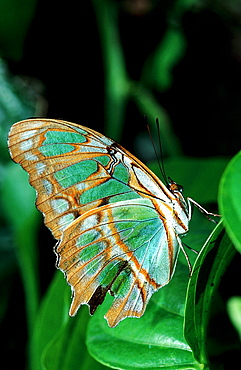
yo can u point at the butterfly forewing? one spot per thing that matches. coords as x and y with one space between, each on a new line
69 169
117 224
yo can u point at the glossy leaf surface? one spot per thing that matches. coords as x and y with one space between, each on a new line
230 200
208 269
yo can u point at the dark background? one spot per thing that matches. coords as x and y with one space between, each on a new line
63 50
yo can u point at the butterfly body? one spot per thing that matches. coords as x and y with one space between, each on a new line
118 226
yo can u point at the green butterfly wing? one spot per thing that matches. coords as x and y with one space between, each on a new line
122 248
117 224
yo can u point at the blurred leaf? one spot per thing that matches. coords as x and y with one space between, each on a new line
8 266
148 105
18 216
18 201
18 196
157 71
234 311
16 103
208 269
68 349
154 341
181 6
116 79
15 18
58 341
52 316
230 200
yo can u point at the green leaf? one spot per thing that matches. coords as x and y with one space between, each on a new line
230 200
148 105
234 311
154 341
15 18
52 315
208 269
18 202
157 71
68 349
58 341
116 79
16 103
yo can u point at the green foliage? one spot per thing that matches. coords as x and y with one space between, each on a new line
58 341
119 88
147 343
230 199
234 310
18 199
208 269
15 17
15 104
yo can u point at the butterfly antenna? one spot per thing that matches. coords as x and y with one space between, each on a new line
152 141
160 164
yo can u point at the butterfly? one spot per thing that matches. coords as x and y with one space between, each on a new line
118 227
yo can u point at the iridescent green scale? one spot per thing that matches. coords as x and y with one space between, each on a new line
118 226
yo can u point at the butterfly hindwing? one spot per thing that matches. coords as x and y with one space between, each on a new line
118 248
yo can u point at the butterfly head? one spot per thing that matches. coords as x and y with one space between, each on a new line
174 187
177 190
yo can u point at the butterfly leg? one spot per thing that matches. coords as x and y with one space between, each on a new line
201 209
186 256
